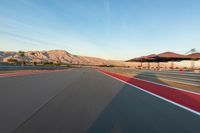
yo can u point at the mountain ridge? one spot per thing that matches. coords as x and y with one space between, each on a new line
55 56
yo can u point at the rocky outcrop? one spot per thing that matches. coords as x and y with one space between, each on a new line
56 56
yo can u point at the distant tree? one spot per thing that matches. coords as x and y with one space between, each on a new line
102 65
32 53
58 63
23 63
11 60
34 63
111 65
68 65
50 63
21 53
47 63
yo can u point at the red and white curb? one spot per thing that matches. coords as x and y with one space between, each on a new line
184 99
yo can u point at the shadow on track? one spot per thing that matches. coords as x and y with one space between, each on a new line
125 113
153 77
133 111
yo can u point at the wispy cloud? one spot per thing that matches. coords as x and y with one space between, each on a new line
107 8
29 35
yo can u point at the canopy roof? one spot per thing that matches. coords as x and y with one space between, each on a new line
195 56
142 58
165 57
170 56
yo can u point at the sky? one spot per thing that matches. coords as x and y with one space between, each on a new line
110 29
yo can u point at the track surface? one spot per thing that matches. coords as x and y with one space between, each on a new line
84 100
179 77
188 99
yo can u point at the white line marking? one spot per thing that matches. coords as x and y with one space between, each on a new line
186 83
169 86
167 72
167 76
177 104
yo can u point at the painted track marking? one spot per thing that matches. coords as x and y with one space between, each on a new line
193 106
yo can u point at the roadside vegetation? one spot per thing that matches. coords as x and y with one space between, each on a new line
15 62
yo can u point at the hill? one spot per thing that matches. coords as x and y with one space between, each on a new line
55 56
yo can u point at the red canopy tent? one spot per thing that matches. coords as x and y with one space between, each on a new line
171 56
162 57
194 56
149 58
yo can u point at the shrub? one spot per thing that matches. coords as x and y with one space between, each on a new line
32 53
21 53
34 63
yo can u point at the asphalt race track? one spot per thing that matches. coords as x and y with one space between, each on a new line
84 100
175 76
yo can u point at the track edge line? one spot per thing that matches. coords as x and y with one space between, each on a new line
172 102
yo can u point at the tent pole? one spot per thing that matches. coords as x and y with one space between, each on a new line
148 65
172 65
192 64
158 65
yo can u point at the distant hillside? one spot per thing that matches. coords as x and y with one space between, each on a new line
56 56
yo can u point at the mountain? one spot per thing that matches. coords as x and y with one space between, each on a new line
56 56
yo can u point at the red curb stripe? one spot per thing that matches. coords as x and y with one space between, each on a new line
189 100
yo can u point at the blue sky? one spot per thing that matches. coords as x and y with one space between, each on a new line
111 29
